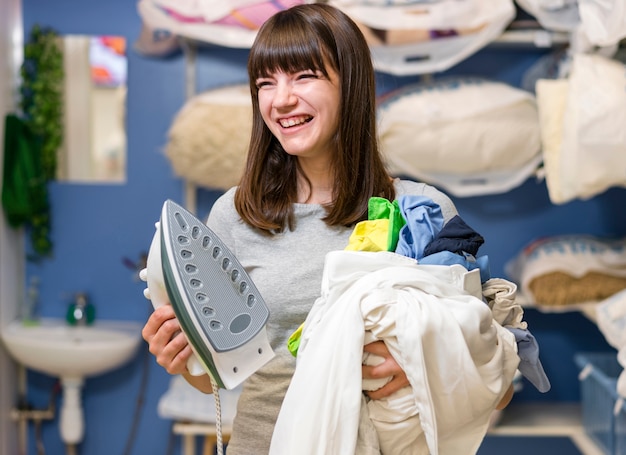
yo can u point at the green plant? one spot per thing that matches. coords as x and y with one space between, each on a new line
42 107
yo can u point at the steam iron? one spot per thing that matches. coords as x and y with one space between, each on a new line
218 306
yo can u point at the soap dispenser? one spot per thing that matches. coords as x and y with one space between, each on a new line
30 307
81 311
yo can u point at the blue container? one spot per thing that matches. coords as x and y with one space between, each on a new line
603 412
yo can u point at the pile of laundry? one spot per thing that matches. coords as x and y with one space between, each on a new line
416 283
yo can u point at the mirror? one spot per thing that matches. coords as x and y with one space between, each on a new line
94 143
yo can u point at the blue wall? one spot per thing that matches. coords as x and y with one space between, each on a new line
98 228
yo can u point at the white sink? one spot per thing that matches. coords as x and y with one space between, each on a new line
58 349
72 353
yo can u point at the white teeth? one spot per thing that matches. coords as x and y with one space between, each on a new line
293 122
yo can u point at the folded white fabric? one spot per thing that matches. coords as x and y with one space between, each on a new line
603 21
501 297
582 122
183 402
470 136
611 320
432 328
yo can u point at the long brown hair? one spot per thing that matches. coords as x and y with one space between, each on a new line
301 38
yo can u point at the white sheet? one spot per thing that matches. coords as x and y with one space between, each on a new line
458 360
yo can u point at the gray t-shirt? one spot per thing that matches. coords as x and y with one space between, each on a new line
287 270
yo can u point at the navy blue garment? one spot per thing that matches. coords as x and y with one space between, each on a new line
455 236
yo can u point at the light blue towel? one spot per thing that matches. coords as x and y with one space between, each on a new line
424 220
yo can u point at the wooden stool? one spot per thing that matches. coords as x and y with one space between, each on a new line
190 430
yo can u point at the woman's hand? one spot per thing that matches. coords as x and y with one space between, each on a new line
389 368
166 341
170 346
506 399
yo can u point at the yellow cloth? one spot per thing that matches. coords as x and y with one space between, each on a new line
370 235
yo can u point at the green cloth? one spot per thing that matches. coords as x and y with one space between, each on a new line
380 208
293 343
24 191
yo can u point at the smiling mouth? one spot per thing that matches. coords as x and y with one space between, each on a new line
295 121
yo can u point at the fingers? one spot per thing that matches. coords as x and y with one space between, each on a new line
166 341
388 368
156 320
506 399
173 357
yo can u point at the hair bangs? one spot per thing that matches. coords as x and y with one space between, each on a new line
287 48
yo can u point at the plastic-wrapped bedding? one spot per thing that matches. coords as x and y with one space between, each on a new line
570 269
418 37
182 402
602 22
208 139
560 15
232 24
469 136
582 122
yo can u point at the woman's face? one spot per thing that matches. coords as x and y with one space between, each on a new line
302 110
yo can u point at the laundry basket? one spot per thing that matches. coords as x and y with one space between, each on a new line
603 411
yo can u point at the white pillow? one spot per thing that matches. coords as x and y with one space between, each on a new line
208 139
470 136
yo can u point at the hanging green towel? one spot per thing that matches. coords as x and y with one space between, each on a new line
24 191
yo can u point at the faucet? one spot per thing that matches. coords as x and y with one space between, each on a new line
80 309
80 312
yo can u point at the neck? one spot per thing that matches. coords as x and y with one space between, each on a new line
315 196
318 189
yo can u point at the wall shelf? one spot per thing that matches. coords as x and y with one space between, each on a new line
550 419
538 38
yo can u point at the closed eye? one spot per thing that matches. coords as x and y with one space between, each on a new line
311 75
262 83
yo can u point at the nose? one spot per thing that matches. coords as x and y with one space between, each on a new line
284 95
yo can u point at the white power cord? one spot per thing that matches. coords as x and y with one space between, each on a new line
218 416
